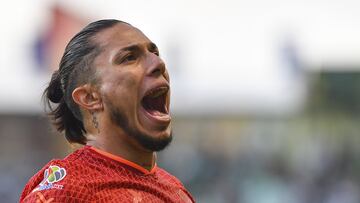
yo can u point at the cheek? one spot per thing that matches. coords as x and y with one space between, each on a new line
128 81
123 85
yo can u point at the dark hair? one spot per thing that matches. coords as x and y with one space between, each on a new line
75 69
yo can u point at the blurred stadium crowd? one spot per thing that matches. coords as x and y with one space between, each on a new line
303 149
309 157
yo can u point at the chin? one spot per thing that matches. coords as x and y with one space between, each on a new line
159 133
154 142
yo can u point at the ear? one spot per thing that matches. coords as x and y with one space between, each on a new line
87 97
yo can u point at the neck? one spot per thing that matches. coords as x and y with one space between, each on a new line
123 145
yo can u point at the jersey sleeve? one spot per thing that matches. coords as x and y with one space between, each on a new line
54 183
33 182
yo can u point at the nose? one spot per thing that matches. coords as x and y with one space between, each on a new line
156 66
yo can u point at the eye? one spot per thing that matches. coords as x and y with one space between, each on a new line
128 58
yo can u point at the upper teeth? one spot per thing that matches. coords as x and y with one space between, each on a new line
157 92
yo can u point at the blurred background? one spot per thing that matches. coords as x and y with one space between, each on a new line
265 93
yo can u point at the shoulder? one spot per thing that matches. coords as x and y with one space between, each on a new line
59 180
167 178
164 175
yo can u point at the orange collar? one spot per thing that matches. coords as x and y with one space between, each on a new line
124 161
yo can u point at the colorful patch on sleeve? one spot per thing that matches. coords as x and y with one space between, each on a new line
52 175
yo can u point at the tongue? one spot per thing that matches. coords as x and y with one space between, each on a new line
155 112
155 106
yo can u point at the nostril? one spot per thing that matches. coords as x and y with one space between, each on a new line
157 69
156 72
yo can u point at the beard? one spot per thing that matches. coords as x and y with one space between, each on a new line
145 140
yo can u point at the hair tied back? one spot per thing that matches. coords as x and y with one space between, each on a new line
55 92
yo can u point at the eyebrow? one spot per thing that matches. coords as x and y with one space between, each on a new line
135 47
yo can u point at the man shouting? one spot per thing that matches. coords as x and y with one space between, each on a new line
112 95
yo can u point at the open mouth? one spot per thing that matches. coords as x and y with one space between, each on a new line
154 102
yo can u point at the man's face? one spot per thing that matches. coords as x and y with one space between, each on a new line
134 85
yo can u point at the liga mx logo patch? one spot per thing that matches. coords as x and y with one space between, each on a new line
52 175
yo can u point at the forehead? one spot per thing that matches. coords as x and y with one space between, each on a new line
120 35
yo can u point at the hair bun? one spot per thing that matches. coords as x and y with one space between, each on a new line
55 92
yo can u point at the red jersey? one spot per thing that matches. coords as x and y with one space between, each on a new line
92 175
